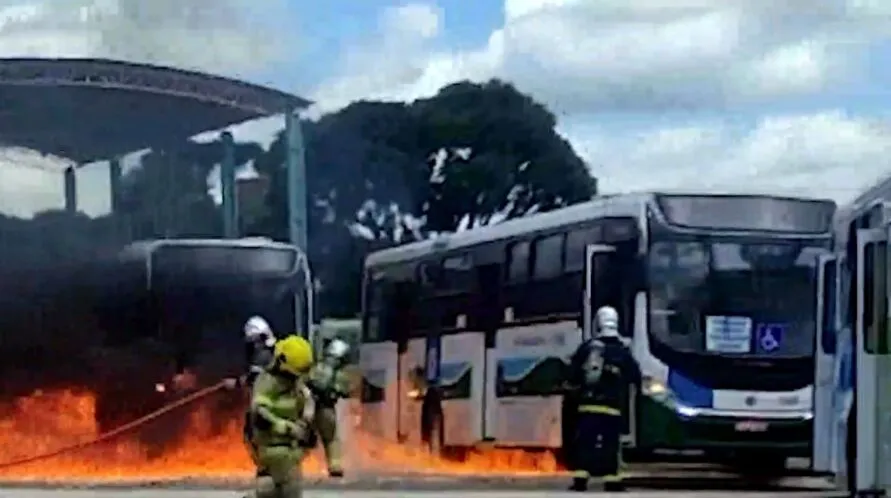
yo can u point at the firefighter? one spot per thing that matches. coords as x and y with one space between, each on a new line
601 371
329 382
282 412
259 342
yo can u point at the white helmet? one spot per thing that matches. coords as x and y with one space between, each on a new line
337 349
257 329
606 322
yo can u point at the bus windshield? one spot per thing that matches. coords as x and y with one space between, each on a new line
225 260
734 297
216 287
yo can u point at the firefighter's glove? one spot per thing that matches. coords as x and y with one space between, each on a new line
300 430
286 428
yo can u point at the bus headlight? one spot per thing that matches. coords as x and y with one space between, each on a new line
653 387
657 389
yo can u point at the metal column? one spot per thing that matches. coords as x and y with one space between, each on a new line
70 179
295 162
227 187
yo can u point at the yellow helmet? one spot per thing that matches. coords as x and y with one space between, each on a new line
293 354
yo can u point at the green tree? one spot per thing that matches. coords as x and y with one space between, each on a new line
388 173
493 153
167 195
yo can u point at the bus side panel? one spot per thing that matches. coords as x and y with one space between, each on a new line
462 365
412 377
530 367
378 368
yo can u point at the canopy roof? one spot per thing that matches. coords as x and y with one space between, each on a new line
94 109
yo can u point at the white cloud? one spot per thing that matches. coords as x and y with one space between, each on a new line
400 52
828 154
231 37
583 58
579 55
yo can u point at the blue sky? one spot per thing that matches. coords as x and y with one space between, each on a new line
720 94
716 95
329 28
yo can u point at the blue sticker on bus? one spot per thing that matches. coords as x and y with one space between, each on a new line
769 337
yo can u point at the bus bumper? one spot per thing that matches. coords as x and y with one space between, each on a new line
663 426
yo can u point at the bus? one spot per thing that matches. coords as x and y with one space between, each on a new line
852 428
466 337
180 304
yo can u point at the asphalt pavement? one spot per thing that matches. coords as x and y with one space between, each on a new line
330 493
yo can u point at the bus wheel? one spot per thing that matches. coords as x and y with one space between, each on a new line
435 437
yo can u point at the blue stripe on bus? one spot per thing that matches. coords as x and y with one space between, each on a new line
376 376
452 372
688 392
513 369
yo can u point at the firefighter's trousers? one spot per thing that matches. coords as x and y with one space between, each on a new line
326 426
281 472
248 437
597 446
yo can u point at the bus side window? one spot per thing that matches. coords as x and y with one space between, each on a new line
427 281
828 312
548 257
875 303
457 274
577 242
518 262
399 312
375 296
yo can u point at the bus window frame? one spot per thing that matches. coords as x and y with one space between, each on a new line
586 235
444 288
557 270
875 311
829 311
511 276
372 311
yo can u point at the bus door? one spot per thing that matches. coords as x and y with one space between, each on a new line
604 286
410 361
379 358
872 246
596 294
824 363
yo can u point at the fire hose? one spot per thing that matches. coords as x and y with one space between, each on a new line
195 396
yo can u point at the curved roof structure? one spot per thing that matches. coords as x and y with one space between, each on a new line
94 109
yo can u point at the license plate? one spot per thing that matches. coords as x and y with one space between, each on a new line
751 426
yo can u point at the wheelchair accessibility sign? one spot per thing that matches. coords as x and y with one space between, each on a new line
769 337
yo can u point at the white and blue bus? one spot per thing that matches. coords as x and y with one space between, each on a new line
852 423
466 337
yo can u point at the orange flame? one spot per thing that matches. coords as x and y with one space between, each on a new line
205 448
